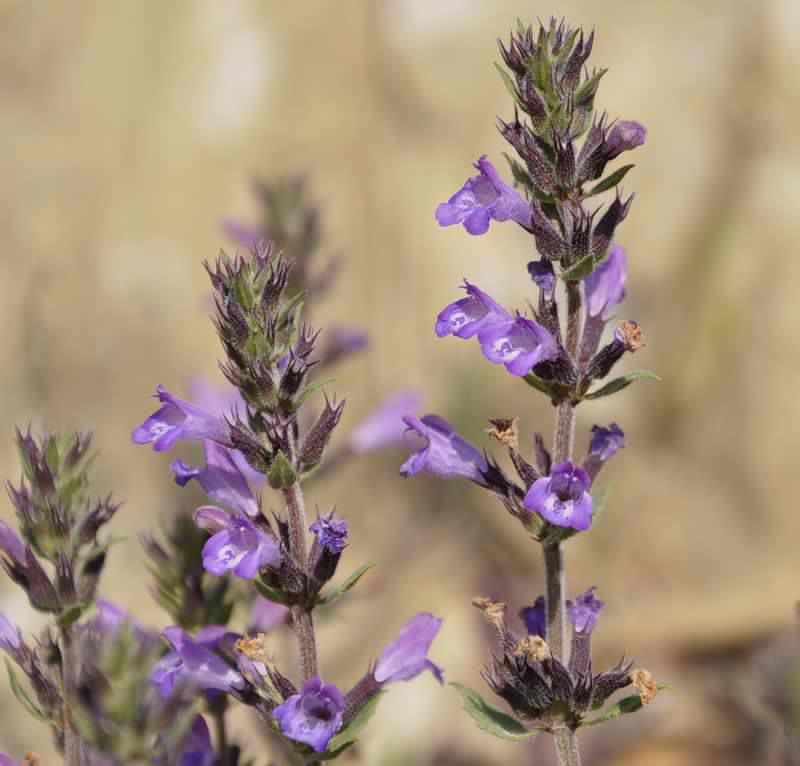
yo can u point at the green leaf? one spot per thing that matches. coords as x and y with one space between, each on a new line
330 755
311 389
22 695
509 83
626 705
609 182
544 386
348 584
582 268
268 592
490 719
72 614
618 384
281 474
349 734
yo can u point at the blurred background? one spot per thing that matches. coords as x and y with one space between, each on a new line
131 128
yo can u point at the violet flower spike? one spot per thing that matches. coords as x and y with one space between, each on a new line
465 317
482 198
519 344
192 661
446 454
313 716
407 656
331 533
563 497
179 420
584 611
236 544
222 479
385 426
535 618
605 286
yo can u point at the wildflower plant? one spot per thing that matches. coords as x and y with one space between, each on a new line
563 148
115 691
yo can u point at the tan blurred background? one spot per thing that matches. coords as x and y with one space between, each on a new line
130 128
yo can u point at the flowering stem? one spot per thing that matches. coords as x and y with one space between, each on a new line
555 572
72 742
302 620
567 748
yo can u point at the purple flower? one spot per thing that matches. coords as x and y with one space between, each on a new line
446 454
178 419
482 198
518 343
192 661
467 316
196 749
624 136
385 426
562 498
222 479
313 716
12 545
236 543
7 760
243 234
9 635
606 442
605 286
331 533
535 617
266 615
407 656
542 274
584 611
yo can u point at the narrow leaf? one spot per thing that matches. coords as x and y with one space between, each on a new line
490 719
534 381
599 499
349 734
348 584
609 182
581 269
509 83
626 705
22 696
618 384
268 592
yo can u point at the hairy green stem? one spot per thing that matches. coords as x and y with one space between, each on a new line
567 748
73 747
555 571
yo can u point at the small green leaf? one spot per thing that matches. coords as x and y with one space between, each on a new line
618 384
330 755
340 590
72 614
509 83
490 719
22 696
582 268
268 592
534 381
281 475
312 389
626 705
349 734
609 182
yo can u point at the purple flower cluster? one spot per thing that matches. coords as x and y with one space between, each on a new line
514 341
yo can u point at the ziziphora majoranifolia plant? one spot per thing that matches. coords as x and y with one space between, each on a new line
285 557
563 149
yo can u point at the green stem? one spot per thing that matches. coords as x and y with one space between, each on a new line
73 747
567 747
